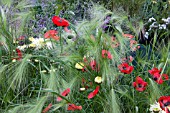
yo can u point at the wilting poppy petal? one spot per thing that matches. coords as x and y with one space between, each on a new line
72 107
92 94
47 108
64 93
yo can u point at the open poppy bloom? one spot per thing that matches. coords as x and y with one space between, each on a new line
155 70
139 84
64 93
52 34
61 22
158 77
164 102
94 93
93 65
125 68
47 108
72 107
106 54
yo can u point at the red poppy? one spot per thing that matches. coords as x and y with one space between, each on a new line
164 102
19 54
106 54
128 35
93 65
47 108
125 68
139 84
64 93
94 93
52 34
72 107
60 21
158 77
155 70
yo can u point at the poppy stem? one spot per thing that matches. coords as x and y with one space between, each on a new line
61 44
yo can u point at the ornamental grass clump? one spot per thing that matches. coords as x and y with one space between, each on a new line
98 72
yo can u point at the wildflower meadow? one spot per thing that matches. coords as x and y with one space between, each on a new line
85 56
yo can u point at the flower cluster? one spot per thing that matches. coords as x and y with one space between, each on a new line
162 106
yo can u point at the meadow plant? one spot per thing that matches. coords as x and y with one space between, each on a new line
87 69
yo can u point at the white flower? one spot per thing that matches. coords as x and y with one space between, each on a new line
14 60
163 26
82 89
150 19
22 48
156 108
49 45
146 35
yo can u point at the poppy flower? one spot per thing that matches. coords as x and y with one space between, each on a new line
93 65
158 77
64 93
94 93
52 34
125 68
106 54
72 107
139 84
164 102
128 36
47 108
19 54
60 21
155 70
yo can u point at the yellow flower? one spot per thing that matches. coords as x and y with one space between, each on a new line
32 45
79 65
98 79
31 39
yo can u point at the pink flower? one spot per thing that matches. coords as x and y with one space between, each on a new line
94 93
72 107
64 93
106 54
